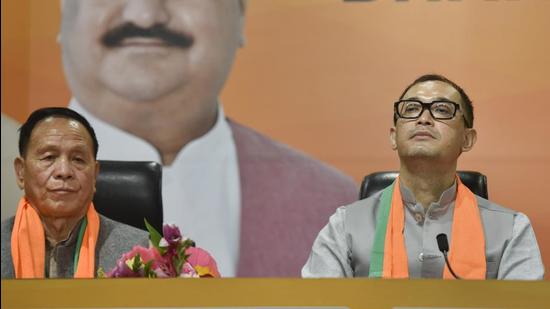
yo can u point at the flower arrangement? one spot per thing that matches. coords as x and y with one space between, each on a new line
169 255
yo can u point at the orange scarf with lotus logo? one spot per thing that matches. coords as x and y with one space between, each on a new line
467 252
28 243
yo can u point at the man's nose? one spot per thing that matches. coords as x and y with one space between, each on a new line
63 169
145 13
425 118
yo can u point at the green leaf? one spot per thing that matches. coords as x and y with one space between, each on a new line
148 271
181 250
182 247
101 273
162 250
188 243
136 265
154 236
178 264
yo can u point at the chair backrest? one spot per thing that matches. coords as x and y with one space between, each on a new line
128 192
375 182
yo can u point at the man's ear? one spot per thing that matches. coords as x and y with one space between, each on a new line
19 166
393 138
470 138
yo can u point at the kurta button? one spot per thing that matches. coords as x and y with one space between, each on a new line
421 257
418 217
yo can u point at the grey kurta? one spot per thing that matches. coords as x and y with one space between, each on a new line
114 239
343 247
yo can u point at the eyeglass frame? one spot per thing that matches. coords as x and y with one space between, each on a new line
428 106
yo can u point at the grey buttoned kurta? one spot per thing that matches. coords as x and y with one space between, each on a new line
343 247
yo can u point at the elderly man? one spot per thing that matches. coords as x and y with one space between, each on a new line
148 74
56 232
393 233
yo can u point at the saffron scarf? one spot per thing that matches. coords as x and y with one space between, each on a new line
28 243
467 249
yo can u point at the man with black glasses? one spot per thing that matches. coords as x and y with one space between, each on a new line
397 232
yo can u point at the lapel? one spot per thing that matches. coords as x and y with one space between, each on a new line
252 239
286 198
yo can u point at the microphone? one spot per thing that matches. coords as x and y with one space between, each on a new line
443 245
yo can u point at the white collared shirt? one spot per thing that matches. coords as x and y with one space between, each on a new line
201 189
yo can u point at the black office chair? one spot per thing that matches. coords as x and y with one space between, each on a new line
129 191
375 182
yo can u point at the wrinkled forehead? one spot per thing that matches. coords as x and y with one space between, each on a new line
429 91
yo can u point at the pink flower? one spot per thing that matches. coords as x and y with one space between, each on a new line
170 255
165 266
187 271
147 254
171 234
202 262
122 269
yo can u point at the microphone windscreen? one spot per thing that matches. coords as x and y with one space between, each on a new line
442 242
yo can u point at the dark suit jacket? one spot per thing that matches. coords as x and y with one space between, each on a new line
287 197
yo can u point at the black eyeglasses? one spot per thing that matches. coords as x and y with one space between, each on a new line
412 109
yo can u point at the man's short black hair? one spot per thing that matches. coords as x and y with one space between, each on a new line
57 112
468 106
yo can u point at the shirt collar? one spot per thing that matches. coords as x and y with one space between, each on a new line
217 138
117 144
70 240
436 208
